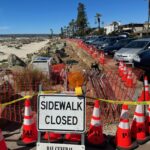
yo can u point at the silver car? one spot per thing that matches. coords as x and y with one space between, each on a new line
128 53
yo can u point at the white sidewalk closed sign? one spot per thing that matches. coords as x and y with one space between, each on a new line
50 146
63 113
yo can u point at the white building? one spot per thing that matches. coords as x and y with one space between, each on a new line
111 27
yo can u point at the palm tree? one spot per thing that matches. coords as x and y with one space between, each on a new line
115 24
98 17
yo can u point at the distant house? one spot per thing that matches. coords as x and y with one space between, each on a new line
145 31
111 27
131 27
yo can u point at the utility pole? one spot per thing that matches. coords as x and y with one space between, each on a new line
148 15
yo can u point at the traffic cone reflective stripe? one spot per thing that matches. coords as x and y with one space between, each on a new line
95 121
27 111
124 112
139 117
2 142
28 120
123 135
95 135
124 124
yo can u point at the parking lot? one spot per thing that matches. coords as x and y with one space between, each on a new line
132 51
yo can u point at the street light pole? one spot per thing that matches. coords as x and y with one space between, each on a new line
148 15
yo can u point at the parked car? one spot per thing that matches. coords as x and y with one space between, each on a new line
109 41
110 50
128 53
90 40
142 60
98 41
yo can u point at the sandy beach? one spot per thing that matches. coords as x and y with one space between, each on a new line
5 51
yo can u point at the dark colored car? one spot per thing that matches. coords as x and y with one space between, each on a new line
109 41
110 50
142 60
92 39
98 41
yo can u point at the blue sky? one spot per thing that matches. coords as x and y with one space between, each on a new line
38 16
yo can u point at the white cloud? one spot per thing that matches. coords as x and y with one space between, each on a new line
4 28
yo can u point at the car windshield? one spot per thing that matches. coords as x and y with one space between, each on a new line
122 42
137 44
100 39
110 40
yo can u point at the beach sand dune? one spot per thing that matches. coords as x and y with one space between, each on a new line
5 51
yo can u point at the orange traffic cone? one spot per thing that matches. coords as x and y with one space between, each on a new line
73 138
120 66
138 127
148 121
95 135
146 87
123 135
2 142
142 96
29 134
121 70
91 51
145 91
147 98
124 77
101 58
94 55
129 81
53 137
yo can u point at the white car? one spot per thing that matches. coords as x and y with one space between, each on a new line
128 53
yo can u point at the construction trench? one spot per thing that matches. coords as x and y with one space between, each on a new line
102 81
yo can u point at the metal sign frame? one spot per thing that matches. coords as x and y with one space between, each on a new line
53 146
82 134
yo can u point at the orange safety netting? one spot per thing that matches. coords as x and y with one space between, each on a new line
75 79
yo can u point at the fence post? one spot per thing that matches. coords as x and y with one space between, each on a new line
39 133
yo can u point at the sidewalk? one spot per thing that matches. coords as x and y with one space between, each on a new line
12 136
